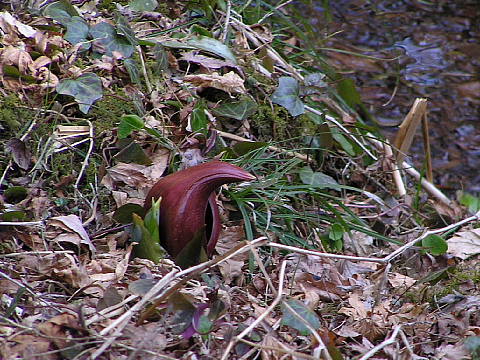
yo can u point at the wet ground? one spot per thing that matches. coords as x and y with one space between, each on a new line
439 59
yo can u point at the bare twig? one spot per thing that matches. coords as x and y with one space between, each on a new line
390 340
21 223
227 22
326 255
87 156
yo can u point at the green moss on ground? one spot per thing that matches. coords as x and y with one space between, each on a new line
106 113
13 117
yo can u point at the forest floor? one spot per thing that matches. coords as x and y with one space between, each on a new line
339 249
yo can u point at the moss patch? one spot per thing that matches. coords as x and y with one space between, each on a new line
106 113
13 117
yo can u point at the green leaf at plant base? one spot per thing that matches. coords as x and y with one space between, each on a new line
200 30
336 232
161 59
129 123
77 32
146 234
124 214
336 236
194 252
143 5
295 311
317 179
435 245
108 41
287 95
14 215
86 89
343 141
183 310
244 147
123 28
61 11
152 218
238 110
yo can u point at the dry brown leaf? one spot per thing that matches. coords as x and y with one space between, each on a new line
230 82
26 347
129 174
229 238
207 61
72 223
400 281
464 244
271 343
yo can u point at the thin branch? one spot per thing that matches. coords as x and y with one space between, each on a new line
326 255
383 344
87 157
22 223
223 38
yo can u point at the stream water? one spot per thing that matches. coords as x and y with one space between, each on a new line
438 57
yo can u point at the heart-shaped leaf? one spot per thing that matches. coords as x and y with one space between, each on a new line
61 11
108 41
239 110
77 32
287 95
86 89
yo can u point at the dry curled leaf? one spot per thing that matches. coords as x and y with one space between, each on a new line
230 82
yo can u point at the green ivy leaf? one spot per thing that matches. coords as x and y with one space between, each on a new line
287 95
435 244
238 110
77 32
297 309
86 89
108 41
61 11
